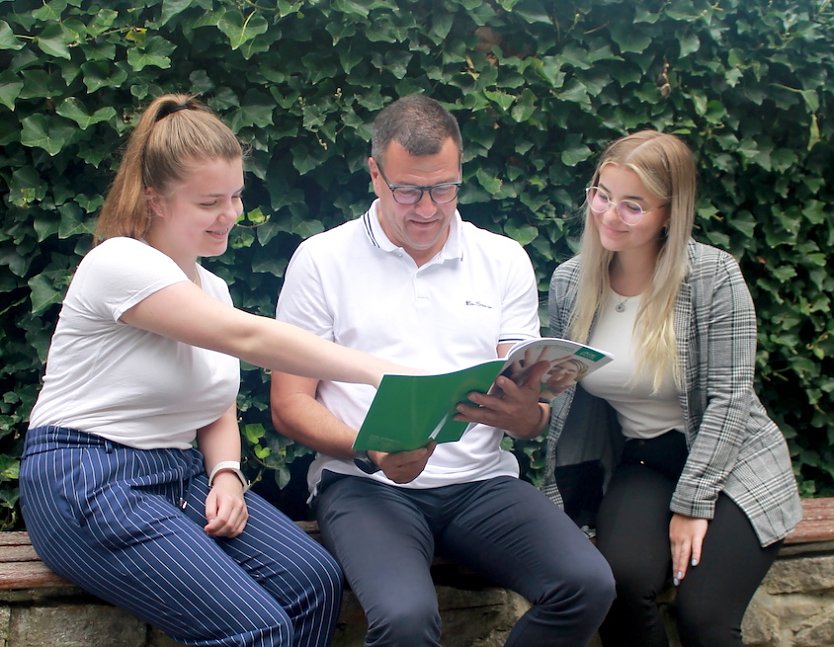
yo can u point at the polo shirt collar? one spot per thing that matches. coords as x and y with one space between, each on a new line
452 249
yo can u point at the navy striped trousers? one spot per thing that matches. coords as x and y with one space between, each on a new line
110 519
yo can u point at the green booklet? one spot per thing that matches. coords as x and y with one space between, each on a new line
408 411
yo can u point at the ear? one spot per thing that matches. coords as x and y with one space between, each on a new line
376 176
155 202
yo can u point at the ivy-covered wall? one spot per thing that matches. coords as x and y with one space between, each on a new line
538 86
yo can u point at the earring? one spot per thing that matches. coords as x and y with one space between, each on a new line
664 233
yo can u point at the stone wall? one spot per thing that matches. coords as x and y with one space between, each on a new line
794 607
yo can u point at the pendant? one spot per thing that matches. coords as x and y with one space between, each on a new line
620 307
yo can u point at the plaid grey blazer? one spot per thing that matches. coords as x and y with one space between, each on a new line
734 447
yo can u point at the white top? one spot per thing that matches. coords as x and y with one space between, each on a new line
352 285
641 413
122 383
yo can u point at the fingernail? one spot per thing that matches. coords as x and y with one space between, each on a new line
694 562
679 575
675 581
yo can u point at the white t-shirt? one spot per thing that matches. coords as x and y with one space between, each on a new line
353 286
641 412
119 382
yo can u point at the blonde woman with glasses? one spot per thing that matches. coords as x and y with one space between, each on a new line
696 481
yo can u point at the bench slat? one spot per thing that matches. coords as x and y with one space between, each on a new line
28 575
818 509
19 553
14 538
817 522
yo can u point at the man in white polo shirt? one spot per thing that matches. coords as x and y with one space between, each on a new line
412 282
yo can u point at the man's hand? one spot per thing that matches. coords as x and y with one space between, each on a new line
226 510
403 467
515 408
687 537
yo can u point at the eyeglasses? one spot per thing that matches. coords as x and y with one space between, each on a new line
630 212
442 193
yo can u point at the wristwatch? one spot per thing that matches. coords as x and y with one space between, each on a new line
229 466
364 462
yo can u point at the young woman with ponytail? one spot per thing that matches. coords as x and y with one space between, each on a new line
130 480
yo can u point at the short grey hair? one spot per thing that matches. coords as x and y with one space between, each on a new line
418 123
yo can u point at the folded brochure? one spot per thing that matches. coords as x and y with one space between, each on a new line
408 411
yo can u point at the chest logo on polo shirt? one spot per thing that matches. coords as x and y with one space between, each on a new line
477 304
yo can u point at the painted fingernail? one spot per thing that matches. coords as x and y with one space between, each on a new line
679 575
675 581
694 562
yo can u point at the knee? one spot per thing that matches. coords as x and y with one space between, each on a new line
590 585
331 572
392 623
597 586
637 582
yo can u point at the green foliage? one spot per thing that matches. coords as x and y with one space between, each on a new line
539 88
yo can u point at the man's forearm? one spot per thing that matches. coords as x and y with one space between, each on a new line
309 423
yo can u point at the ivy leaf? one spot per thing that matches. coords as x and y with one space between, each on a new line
73 109
441 26
282 477
573 55
99 75
103 20
534 12
810 97
254 432
256 112
7 38
576 154
50 11
689 44
629 38
9 468
488 180
524 234
551 69
575 92
53 41
46 132
504 100
239 30
26 187
171 8
10 87
44 292
261 452
154 53
351 9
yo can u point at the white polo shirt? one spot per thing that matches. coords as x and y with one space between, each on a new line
352 285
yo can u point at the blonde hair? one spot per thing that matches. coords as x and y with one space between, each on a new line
666 168
174 133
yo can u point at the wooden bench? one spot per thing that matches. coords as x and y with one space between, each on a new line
20 567
817 523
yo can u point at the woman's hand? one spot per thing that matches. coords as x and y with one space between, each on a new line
687 537
226 510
